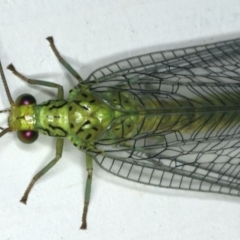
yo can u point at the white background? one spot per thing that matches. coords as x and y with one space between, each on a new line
91 34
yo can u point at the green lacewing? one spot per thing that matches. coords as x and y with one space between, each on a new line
168 119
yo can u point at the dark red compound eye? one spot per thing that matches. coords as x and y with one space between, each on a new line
27 136
25 99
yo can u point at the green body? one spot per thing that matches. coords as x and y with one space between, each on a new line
87 117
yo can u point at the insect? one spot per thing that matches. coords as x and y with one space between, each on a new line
169 119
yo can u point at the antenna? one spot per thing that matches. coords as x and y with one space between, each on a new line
6 85
8 129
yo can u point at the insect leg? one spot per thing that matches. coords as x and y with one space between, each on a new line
59 148
62 60
87 192
38 82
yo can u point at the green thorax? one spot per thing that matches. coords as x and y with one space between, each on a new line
83 116
89 116
52 118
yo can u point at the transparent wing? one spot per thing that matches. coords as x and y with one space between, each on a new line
194 151
217 59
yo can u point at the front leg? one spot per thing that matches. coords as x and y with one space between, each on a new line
59 149
38 82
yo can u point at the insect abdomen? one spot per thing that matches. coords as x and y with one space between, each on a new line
186 113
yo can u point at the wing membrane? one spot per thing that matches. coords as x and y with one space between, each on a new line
218 59
194 151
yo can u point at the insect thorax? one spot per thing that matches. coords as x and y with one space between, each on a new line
89 116
52 118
